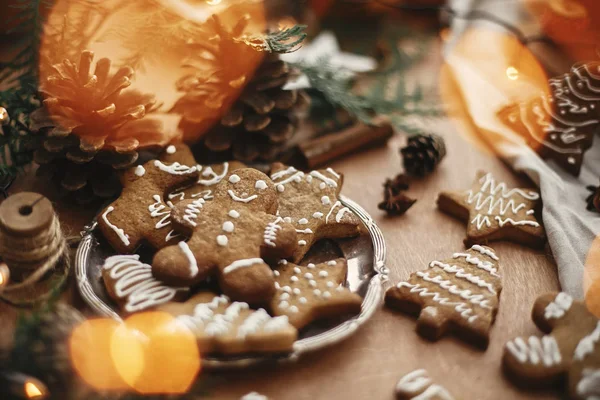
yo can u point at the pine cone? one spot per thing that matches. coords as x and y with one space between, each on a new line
593 200
422 154
47 344
81 121
260 123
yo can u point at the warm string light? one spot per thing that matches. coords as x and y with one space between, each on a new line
213 2
20 386
4 275
34 391
512 73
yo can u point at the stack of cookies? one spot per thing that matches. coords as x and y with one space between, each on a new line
235 226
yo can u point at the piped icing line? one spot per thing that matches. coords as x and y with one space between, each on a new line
173 195
587 344
460 307
216 323
535 350
283 173
335 205
484 265
481 220
340 214
462 274
214 177
488 182
332 172
477 299
270 234
297 177
205 194
328 181
485 252
192 210
192 264
559 306
175 168
589 385
240 199
120 232
248 262
414 382
134 281
155 211
171 235
507 220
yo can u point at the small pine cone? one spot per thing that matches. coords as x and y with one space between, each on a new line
262 121
82 143
48 349
593 200
422 154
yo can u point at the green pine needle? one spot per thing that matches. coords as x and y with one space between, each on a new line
286 40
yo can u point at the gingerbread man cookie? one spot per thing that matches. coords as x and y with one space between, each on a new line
460 293
495 212
230 235
571 348
140 213
130 283
307 293
223 326
310 202
417 385
209 175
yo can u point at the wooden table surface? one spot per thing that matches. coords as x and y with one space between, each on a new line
368 365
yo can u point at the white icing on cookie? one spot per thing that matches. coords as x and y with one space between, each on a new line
192 264
192 211
485 252
462 274
270 234
328 181
587 344
234 214
535 350
242 264
234 178
175 168
228 226
301 242
171 149
318 215
156 210
240 199
139 170
484 265
120 232
135 284
214 177
557 308
222 240
589 386
261 185
325 200
332 172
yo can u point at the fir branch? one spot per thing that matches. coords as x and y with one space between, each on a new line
280 42
336 87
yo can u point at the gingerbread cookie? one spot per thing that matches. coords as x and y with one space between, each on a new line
417 385
307 293
230 236
570 350
140 213
460 293
209 175
495 212
223 326
130 283
310 202
561 125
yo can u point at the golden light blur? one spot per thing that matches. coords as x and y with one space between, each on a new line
154 354
492 61
591 278
33 391
159 40
90 347
4 275
149 352
512 73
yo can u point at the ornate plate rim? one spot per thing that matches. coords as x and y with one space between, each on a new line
370 303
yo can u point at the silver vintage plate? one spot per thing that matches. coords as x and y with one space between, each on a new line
366 275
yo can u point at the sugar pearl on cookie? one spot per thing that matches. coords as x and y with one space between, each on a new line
302 300
234 178
294 279
331 263
234 214
228 226
294 309
312 283
308 275
260 185
326 295
296 291
171 149
325 200
330 284
297 270
323 274
222 240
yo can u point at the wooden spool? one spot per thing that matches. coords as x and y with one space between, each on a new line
25 214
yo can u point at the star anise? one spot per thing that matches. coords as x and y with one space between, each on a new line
396 185
395 204
593 200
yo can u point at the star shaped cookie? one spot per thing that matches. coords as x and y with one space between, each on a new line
309 201
495 212
311 292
